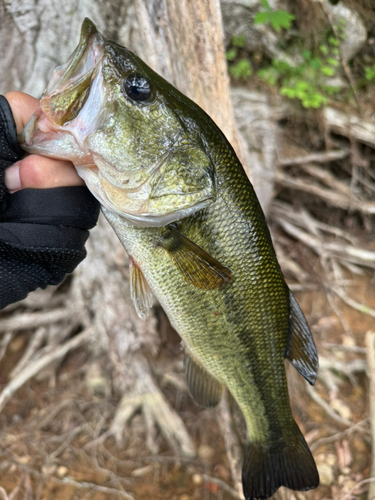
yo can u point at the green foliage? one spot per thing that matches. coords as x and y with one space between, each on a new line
306 81
277 18
241 69
370 73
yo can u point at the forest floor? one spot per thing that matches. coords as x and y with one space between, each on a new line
50 446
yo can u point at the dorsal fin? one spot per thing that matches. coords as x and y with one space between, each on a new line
301 350
204 388
140 292
195 265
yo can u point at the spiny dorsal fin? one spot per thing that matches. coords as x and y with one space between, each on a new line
139 290
204 388
301 350
195 265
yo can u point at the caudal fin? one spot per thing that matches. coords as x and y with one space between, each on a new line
268 466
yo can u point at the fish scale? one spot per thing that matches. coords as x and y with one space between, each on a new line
180 202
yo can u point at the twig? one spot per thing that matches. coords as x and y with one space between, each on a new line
30 321
342 347
361 483
334 198
4 493
324 157
74 433
353 303
222 485
76 484
337 436
5 342
301 217
351 253
320 401
33 345
370 344
32 369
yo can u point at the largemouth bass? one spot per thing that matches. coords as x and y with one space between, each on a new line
179 200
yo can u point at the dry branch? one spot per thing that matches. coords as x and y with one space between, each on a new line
32 369
370 344
29 321
330 412
359 426
323 157
334 198
363 308
349 125
325 248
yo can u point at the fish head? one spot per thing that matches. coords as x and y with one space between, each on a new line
126 131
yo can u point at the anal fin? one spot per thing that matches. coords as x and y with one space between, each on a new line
195 265
204 388
301 350
140 292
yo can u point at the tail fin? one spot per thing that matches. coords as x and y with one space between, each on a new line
268 466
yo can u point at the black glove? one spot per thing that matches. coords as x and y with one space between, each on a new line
42 231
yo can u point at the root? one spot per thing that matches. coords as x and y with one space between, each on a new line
157 412
32 369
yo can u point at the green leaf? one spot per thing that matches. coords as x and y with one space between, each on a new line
261 18
315 63
242 69
333 41
333 62
327 70
265 4
288 92
231 54
238 41
280 19
323 49
306 54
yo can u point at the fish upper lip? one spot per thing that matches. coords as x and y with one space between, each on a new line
87 54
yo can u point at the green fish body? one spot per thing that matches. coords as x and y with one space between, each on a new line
196 236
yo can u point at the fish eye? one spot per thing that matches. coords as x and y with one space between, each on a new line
137 87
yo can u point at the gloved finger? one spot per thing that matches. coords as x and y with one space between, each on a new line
22 106
39 172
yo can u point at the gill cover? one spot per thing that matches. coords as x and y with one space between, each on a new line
124 129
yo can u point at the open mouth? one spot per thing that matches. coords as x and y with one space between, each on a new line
67 90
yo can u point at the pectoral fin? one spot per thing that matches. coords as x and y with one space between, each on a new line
204 388
139 290
196 265
301 350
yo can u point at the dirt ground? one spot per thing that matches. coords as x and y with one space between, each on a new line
50 436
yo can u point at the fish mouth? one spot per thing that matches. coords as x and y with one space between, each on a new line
66 94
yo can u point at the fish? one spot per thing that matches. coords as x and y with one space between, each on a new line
178 198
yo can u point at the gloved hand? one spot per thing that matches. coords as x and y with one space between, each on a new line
42 231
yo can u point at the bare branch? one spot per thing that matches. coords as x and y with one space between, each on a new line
32 369
330 412
29 321
324 157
